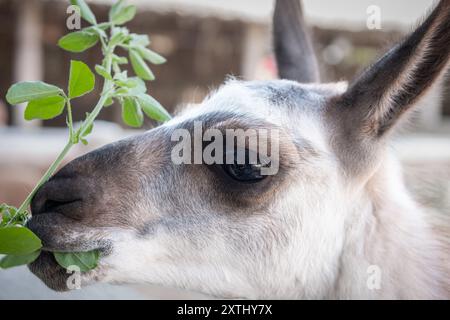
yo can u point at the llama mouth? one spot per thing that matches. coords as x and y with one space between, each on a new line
60 234
50 272
56 277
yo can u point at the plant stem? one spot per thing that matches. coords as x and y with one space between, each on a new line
73 137
104 96
46 176
70 121
89 120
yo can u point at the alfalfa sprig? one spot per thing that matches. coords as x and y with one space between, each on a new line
46 101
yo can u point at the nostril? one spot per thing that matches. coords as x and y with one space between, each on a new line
58 195
63 193
54 205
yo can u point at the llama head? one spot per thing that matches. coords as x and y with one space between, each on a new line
225 228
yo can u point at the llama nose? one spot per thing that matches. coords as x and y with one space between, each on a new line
61 194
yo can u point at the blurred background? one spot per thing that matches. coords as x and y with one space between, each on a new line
204 41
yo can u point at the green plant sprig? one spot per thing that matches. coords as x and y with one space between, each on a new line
46 101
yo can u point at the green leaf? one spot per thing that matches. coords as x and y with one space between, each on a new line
152 108
140 67
103 72
45 108
121 15
122 91
139 40
121 76
10 261
30 90
104 25
84 260
119 60
10 215
138 86
108 102
118 36
85 11
78 41
18 241
5 214
99 31
81 79
116 8
151 56
132 113
126 84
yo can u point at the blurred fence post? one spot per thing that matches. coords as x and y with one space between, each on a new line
28 51
255 48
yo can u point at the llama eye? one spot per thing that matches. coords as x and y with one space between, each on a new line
245 172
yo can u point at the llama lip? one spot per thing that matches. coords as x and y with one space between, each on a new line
56 277
57 238
47 269
60 234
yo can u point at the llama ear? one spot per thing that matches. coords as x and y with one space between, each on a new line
295 56
381 95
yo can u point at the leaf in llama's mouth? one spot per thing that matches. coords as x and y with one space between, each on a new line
85 261
18 243
21 246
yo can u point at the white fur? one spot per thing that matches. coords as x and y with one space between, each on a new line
333 229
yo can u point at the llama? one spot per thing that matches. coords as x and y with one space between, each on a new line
335 221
